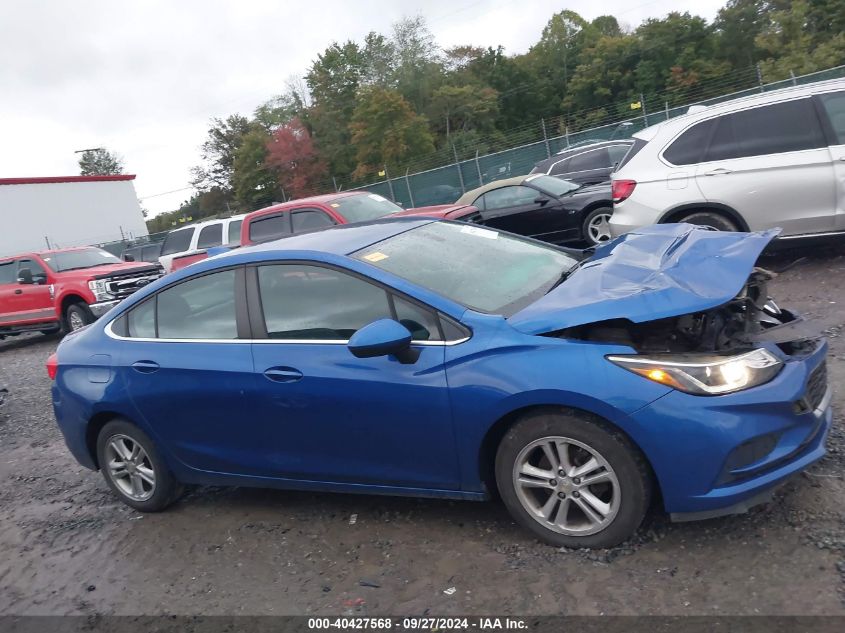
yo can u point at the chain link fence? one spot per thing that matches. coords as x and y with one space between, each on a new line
446 183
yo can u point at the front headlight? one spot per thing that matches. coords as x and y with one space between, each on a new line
704 375
98 287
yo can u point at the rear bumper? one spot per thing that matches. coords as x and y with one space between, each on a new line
630 215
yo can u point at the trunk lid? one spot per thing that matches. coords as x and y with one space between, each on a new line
653 273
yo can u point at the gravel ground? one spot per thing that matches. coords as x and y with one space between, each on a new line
68 547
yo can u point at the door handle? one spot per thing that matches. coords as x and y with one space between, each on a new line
145 366
283 374
18 291
719 171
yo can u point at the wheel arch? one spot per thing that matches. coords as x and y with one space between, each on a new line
92 431
493 437
68 300
675 213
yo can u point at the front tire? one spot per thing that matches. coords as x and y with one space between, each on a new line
711 219
77 316
572 479
134 469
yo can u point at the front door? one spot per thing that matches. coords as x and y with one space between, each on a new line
320 413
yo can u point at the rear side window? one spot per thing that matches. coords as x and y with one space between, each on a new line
177 241
782 127
270 228
309 220
594 159
632 151
617 153
200 308
687 149
560 168
8 273
834 105
234 236
211 235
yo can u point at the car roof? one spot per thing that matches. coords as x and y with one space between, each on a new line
470 196
342 239
739 103
325 198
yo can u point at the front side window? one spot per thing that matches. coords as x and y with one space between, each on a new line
315 303
177 241
310 220
199 308
834 105
365 207
269 228
79 259
481 269
505 197
210 236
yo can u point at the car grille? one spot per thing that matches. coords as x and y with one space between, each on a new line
121 286
816 386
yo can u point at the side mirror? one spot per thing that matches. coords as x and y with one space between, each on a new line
383 338
128 258
541 200
25 276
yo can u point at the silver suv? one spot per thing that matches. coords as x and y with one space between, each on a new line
772 159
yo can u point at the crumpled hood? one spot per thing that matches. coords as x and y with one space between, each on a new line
655 272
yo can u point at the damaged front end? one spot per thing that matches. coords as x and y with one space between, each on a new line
750 318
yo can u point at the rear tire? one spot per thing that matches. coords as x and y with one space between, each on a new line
595 228
712 219
77 316
543 465
134 469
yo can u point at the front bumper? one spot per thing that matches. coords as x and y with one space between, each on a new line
99 309
721 454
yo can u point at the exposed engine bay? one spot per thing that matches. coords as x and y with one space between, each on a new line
750 317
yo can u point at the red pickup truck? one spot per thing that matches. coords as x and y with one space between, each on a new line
65 289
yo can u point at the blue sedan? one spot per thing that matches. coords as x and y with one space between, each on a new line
418 357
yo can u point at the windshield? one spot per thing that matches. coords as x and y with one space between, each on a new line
83 258
482 269
555 186
370 206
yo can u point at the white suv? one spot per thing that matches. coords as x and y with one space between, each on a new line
186 245
772 159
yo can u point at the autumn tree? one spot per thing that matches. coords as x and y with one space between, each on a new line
386 131
100 162
291 152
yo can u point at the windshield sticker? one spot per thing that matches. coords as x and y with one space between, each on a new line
375 257
485 233
377 197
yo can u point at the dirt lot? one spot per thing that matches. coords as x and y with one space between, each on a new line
68 547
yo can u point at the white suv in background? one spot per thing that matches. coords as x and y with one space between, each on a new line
189 244
776 159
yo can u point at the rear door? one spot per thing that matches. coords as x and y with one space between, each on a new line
186 363
33 302
772 165
833 112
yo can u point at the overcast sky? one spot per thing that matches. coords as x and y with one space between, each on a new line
143 78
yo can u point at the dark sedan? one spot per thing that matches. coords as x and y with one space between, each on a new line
543 207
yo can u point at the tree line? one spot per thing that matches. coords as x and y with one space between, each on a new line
391 100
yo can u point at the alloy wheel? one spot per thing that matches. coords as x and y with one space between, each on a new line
566 486
130 468
598 228
75 321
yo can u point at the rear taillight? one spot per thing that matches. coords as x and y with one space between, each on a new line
622 189
52 366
